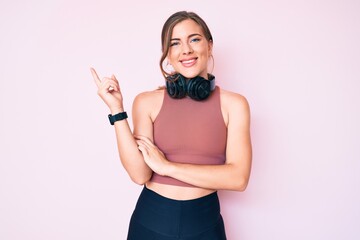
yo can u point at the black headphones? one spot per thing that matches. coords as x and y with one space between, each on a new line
197 88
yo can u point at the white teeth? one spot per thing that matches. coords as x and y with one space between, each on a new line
188 61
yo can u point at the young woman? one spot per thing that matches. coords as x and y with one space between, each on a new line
189 140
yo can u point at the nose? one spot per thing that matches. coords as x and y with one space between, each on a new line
187 49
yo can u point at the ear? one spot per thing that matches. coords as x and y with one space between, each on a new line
210 47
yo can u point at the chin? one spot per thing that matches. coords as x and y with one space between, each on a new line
187 75
190 74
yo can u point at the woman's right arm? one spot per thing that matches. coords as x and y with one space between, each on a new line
130 156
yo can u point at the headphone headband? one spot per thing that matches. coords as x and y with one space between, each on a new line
197 88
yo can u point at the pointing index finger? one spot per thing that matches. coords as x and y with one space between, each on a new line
95 76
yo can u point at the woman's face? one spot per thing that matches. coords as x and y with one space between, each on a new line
189 50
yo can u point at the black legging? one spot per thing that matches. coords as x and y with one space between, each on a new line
159 218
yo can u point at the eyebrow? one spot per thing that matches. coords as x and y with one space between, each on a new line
190 36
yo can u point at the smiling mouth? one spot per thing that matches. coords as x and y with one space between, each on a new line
188 63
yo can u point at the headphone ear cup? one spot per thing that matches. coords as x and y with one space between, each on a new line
198 88
176 86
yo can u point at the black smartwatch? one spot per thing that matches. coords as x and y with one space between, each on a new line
117 117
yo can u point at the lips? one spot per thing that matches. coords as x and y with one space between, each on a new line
188 62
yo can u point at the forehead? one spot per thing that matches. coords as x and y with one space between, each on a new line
185 28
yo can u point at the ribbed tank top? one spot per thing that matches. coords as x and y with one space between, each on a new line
189 131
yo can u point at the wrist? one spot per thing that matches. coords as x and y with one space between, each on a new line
114 111
169 169
117 117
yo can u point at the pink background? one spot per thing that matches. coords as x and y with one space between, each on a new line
297 62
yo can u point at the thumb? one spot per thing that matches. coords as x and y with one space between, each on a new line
114 78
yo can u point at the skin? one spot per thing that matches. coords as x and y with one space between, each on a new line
140 157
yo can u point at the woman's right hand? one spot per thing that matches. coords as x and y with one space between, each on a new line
109 91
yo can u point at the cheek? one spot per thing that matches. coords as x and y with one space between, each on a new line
171 56
203 49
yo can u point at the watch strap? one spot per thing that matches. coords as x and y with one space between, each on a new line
117 117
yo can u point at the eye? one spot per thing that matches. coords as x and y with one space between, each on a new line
195 40
174 44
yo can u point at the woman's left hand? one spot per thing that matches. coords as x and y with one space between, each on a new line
153 157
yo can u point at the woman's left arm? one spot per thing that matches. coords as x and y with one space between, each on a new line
234 174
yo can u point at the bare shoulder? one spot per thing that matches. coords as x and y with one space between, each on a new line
149 96
149 102
233 102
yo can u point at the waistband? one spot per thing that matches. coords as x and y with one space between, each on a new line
176 217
